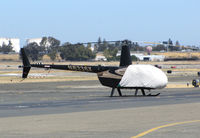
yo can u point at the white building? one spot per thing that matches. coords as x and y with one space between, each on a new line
150 57
15 43
143 57
36 40
100 58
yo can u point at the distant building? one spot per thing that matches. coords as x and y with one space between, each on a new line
15 43
36 40
100 57
150 57
143 57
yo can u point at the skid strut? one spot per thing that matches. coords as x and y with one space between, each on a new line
113 91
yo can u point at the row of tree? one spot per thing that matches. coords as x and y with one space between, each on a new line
51 47
80 52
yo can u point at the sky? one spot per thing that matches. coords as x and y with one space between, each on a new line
86 20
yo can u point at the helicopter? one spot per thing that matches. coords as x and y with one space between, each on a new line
125 76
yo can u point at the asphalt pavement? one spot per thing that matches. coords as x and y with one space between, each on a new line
84 109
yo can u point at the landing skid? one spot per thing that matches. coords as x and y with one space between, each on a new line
154 94
144 94
136 91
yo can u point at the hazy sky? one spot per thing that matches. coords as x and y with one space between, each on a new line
86 20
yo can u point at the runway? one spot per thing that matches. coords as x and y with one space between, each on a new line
84 109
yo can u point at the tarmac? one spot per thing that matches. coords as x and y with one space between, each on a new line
83 109
76 105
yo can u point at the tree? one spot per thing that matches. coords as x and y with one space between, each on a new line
51 45
102 46
6 48
134 58
136 47
52 54
170 43
111 52
178 47
118 45
159 47
34 51
76 52
44 42
89 45
49 42
53 42
99 40
95 48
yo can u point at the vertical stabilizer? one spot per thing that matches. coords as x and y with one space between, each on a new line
125 58
26 64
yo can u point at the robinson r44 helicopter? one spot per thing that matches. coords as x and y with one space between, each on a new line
125 76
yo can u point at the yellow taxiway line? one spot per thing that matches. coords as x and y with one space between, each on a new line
163 126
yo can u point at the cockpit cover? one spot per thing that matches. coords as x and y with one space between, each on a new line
145 76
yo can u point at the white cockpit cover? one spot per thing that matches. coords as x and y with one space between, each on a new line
146 76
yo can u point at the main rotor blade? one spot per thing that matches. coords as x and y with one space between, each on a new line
100 42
